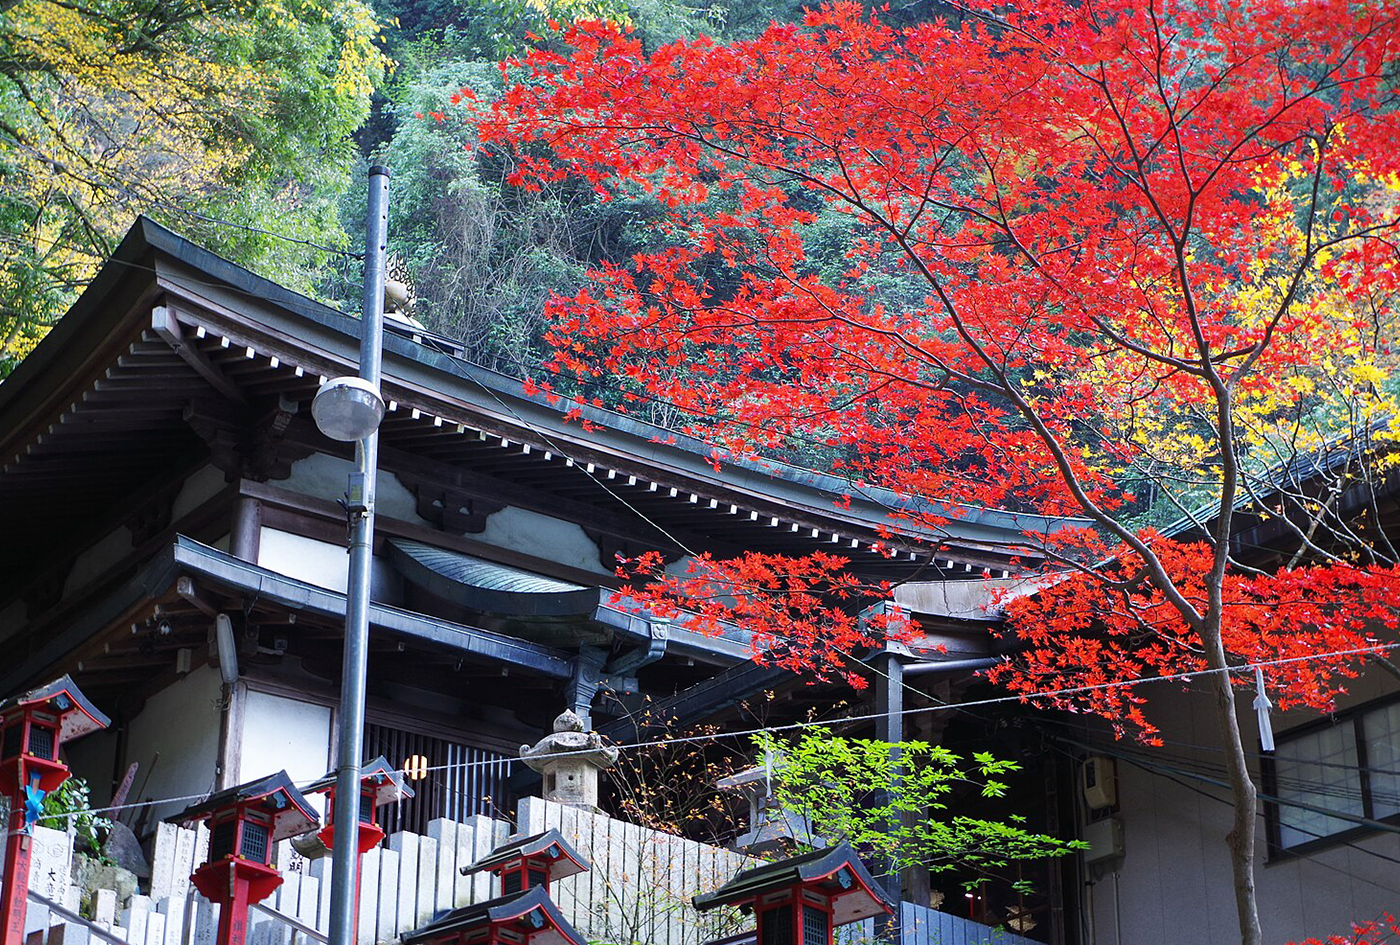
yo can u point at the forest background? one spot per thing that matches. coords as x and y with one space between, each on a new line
241 124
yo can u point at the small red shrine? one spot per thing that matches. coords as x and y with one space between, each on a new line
33 726
804 898
523 863
527 918
245 822
380 783
524 914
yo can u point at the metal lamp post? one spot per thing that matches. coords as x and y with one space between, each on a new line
349 409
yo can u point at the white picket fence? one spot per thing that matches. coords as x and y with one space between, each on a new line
642 881
638 890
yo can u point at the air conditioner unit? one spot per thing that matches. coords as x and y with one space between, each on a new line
1099 782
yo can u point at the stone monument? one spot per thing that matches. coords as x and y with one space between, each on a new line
570 759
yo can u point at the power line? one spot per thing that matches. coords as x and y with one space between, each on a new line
845 720
554 446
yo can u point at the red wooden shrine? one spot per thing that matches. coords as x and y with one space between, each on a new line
380 783
524 918
33 727
522 863
803 899
245 822
523 914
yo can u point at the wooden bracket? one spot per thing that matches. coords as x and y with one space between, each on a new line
164 324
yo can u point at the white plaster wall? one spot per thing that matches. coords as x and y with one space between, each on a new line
323 476
306 559
542 536
182 723
680 567
94 562
1175 884
279 733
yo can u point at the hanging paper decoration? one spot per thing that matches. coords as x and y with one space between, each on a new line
1261 708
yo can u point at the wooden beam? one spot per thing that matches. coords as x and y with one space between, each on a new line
164 324
191 593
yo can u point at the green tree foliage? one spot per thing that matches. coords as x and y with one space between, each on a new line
892 801
69 807
191 111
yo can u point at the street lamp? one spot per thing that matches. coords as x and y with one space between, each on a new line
349 409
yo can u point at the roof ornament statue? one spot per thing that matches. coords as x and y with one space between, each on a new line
399 294
570 760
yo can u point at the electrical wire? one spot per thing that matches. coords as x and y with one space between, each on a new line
602 484
846 720
204 218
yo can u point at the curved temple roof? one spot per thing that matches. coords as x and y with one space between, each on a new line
168 324
488 586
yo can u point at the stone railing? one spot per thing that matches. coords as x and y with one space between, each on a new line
638 890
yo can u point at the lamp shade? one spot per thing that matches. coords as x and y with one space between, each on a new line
347 409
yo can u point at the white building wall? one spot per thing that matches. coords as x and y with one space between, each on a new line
323 476
1175 883
306 559
182 723
198 489
281 733
544 537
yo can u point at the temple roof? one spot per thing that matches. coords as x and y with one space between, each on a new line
79 717
389 781
173 352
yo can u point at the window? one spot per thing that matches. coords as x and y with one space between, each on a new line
254 842
816 926
461 779
775 926
1350 766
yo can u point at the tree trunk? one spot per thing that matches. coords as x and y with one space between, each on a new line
1240 839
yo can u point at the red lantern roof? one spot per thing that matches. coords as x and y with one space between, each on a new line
292 815
78 715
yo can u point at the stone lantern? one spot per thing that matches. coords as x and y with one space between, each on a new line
772 830
570 759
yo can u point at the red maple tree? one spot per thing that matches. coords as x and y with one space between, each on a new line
1373 932
1154 246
